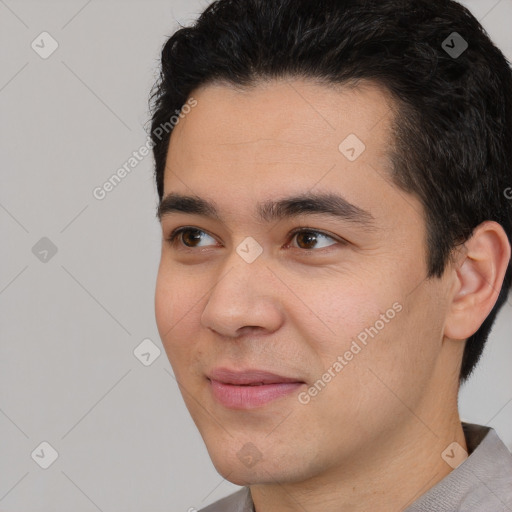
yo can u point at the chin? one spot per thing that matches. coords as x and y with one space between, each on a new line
263 471
238 475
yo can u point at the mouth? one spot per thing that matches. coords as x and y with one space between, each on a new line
251 388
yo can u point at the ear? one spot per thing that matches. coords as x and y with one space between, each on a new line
478 277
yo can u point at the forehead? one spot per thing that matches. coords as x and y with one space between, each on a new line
283 136
299 118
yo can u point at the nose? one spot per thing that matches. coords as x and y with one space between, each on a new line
243 299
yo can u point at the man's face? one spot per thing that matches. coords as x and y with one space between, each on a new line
342 309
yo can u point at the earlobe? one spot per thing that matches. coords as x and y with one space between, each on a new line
479 274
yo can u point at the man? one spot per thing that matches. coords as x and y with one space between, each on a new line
336 246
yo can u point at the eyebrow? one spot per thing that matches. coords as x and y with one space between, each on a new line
274 210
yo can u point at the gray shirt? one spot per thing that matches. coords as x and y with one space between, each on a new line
482 483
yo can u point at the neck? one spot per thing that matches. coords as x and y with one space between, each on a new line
388 477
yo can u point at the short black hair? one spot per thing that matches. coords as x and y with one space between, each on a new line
452 134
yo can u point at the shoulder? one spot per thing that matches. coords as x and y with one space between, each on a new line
482 482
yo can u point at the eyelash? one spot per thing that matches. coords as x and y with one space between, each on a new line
173 239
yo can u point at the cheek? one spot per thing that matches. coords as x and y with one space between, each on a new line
175 307
166 312
340 310
392 349
364 327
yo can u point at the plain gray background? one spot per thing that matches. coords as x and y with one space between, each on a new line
71 320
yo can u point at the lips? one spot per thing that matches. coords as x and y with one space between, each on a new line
250 388
248 377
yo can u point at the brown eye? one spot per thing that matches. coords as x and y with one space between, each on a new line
309 239
306 240
189 237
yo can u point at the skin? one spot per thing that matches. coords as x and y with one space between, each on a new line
373 437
